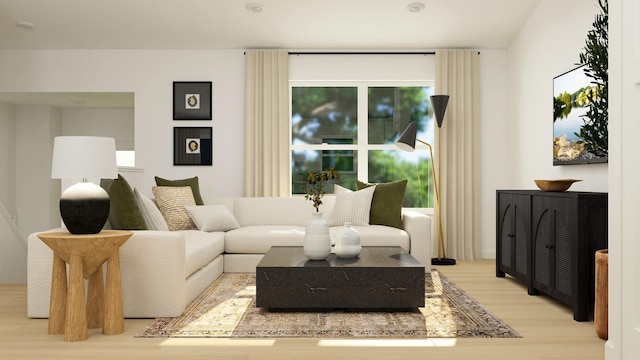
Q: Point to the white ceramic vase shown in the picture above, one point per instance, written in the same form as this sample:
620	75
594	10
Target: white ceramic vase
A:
348	244
317	242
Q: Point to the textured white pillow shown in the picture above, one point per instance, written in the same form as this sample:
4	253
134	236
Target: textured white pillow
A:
212	217
351	206
171	202
150	212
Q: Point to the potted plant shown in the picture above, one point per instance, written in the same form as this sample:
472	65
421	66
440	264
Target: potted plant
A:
595	57
315	179
317	241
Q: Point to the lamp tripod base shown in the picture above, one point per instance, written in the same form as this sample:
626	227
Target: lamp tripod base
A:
443	261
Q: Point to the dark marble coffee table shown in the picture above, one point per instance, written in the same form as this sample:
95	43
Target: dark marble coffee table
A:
380	278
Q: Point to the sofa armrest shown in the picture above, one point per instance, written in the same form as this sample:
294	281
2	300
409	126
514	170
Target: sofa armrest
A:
152	267
418	226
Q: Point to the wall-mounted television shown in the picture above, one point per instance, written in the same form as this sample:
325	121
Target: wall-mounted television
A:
571	95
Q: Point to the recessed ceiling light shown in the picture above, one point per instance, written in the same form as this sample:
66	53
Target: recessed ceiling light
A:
415	7
25	25
254	7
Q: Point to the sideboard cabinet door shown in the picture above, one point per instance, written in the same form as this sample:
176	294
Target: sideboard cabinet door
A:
513	239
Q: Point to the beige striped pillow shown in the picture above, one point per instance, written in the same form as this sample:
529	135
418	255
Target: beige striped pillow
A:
351	206
171	202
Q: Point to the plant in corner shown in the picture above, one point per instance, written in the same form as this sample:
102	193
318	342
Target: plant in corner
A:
595	56
315	179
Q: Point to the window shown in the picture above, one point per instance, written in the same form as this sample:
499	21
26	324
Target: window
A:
126	158
354	126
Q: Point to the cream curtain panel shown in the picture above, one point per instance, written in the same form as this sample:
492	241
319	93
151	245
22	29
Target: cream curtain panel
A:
457	75
266	156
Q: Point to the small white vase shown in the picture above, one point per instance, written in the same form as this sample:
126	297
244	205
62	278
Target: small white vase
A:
317	242
348	244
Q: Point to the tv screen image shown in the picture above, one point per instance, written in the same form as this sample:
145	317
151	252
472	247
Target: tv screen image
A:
571	93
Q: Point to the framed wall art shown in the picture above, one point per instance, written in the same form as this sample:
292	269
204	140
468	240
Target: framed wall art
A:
192	100
192	146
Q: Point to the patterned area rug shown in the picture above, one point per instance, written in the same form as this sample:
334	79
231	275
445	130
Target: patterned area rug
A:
227	309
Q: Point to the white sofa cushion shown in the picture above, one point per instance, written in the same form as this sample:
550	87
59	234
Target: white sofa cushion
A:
200	248
212	217
150	212
258	239
351	206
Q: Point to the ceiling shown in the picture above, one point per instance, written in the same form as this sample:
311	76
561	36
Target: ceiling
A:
288	24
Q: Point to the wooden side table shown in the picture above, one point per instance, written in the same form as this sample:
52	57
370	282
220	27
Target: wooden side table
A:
69	313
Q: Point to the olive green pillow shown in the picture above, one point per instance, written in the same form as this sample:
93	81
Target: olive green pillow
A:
386	206
192	182
124	213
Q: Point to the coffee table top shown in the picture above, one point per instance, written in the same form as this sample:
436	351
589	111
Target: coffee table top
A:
370	256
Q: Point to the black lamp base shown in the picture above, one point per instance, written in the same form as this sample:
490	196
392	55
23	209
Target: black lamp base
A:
443	261
84	208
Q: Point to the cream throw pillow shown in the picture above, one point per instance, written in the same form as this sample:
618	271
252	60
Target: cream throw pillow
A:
171	202
212	217
150	212
351	206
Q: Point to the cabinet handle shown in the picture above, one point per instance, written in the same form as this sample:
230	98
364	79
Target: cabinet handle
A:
547	246
511	235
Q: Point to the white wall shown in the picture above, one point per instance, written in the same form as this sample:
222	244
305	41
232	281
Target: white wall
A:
547	46
115	123
8	158
149	74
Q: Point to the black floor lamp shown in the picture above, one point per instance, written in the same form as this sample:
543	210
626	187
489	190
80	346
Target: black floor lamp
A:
407	142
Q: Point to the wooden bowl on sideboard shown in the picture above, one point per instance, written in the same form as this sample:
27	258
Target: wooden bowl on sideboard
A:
555	185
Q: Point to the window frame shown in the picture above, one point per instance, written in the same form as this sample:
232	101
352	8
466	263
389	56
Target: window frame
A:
362	147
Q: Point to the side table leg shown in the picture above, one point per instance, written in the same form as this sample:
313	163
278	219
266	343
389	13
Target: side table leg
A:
113	311
95	300
76	322
58	300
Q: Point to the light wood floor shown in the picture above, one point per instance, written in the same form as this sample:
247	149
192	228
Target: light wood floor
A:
547	328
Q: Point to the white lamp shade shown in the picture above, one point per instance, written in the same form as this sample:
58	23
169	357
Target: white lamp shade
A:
82	157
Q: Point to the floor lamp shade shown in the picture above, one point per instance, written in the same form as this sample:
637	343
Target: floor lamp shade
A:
84	207
439	103
407	140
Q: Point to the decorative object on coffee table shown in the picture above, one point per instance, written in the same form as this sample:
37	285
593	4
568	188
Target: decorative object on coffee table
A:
555	185
407	142
348	244
317	241
84	207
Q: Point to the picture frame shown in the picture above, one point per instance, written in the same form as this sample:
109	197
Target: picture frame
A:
192	100
192	146
571	91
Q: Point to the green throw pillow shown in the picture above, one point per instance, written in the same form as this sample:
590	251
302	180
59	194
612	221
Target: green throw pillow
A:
124	213
386	206
192	182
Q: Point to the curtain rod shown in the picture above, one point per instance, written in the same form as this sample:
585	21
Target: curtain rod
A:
363	53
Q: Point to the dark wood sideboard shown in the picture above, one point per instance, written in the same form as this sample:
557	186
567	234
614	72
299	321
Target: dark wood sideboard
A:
548	241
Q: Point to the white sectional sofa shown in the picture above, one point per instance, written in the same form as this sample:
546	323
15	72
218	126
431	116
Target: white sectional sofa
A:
163	271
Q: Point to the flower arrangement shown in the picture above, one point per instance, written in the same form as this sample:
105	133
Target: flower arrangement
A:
315	179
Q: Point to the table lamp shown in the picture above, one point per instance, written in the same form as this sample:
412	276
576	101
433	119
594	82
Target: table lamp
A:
84	207
407	142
